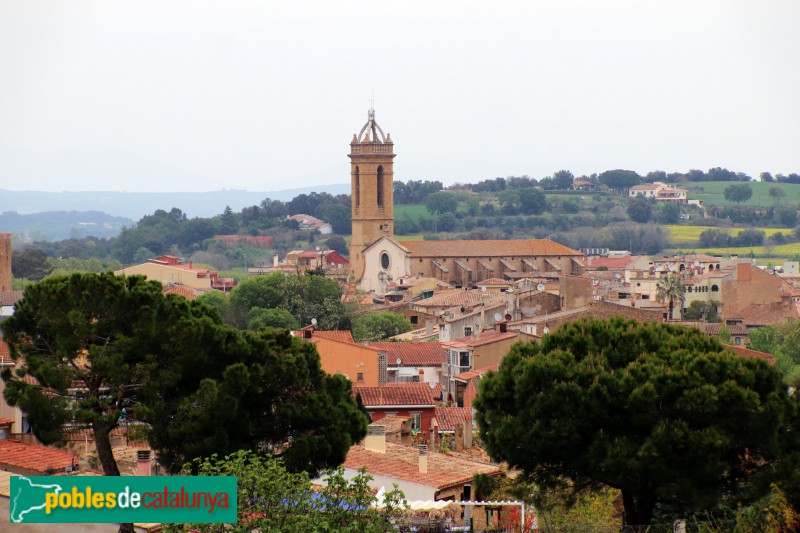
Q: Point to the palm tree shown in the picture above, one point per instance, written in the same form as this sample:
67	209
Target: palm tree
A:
670	289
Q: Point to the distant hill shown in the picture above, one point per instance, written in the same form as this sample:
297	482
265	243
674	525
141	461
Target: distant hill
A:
134	205
59	225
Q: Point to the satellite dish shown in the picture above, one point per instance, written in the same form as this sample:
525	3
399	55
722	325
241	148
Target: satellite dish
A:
540	287
498	317
313	321
483	288
399	361
508	316
617	276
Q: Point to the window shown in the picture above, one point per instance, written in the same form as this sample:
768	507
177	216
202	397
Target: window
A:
385	261
467	331
416	421
358	189
414	320
380	186
463	359
360	376
737	341
714	288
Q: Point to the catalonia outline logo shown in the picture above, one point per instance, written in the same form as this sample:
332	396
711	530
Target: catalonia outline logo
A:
158	499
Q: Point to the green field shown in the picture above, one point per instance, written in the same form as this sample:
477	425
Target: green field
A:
713	193
783	250
692	233
414	211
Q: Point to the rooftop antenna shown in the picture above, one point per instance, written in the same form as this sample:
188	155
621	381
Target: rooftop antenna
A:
372	100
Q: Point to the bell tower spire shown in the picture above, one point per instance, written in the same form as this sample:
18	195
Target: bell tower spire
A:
372	190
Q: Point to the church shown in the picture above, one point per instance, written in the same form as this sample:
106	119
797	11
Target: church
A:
377	258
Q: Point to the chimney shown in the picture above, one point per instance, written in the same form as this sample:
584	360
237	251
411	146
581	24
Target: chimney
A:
190	264
428	325
143	466
421	376
308	332
376	438
274	260
502	327
423	458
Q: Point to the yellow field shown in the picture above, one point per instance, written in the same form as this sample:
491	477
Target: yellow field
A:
758	251
692	233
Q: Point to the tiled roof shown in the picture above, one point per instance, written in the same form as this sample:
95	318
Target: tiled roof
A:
43	459
610	262
334	335
412	353
752	354
455	298
449	417
10	297
647	187
6	421
489	248
476	373
485	337
417	394
768	314
494	281
181	290
402	462
597	309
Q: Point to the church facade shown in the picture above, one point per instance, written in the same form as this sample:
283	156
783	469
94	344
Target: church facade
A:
377	258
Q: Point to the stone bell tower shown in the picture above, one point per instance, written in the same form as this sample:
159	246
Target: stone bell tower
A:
372	190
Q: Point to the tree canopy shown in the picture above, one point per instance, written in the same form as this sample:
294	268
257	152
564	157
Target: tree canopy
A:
379	326
196	385
271	498
640	210
664	414
305	297
738	192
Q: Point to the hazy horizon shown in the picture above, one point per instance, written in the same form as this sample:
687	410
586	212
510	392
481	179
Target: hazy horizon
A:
182	96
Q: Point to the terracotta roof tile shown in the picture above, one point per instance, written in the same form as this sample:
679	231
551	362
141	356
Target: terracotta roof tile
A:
4	352
412	353
396	394
449	417
610	262
402	462
751	354
182	290
456	297
334	335
765	315
485	337
494	281
476	373
43	459
488	248
6	421
10	297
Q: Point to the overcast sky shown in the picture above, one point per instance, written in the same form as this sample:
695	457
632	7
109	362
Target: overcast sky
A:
201	96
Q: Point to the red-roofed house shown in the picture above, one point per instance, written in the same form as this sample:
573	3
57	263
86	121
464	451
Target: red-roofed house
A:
433	476
476	351
414	400
169	270
309	222
338	354
33	459
413	361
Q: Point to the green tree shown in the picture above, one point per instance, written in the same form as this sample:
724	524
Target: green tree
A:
619	179
738	192
379	326
640	210
669	213
338	216
562	180
337	244
698	310
30	263
271	498
663	413
272	318
305	297
783	342
777	193
441	202
670	289
531	201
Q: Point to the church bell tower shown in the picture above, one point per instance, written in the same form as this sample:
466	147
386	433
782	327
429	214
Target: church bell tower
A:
372	191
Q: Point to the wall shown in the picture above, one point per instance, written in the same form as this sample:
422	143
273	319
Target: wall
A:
751	286
426	415
167	274
348	360
5	262
575	291
423	266
490	354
